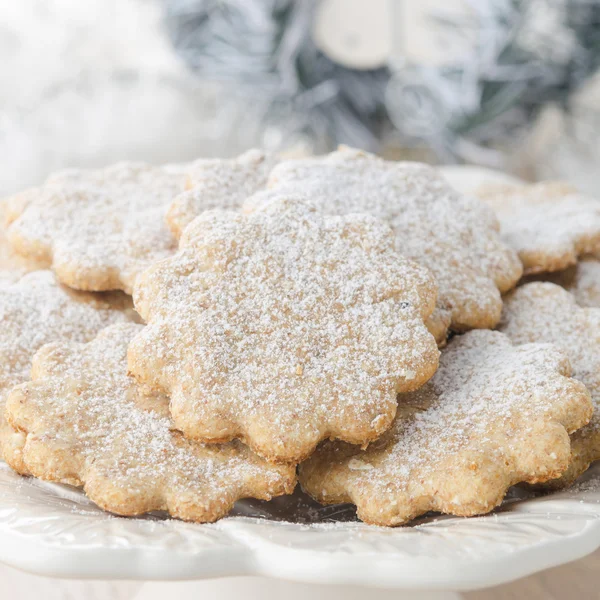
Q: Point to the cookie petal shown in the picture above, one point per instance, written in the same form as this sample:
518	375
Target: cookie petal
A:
549	224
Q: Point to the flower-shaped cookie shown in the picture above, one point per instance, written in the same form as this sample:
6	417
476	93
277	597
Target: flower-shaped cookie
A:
98	229
284	327
454	236
582	280
549	224
86	423
493	415
219	183
37	310
544	312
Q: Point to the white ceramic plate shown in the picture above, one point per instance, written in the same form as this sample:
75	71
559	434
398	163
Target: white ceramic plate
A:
54	530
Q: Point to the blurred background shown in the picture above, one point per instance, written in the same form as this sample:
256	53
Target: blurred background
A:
511	84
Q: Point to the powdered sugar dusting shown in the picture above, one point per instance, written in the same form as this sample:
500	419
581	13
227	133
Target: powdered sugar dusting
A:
544	312
119	442
549	224
99	228
453	235
219	183
284	327
37	310
34	311
485	421
582	280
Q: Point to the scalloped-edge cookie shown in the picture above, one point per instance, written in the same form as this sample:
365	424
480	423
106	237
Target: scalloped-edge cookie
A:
582	280
455	236
549	224
87	423
219	184
544	312
492	416
284	327
97	229
37	310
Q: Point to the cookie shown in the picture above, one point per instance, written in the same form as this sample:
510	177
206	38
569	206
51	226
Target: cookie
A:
221	184
98	229
493	415
582	280
86	423
549	224
284	327
438	325
544	312
454	236
12	265
37	310
12	206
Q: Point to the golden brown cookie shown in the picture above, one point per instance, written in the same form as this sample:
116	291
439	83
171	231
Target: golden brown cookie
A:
86	423
284	327
582	280
493	415
37	310
219	183
98	229
549	224
438	325
544	312
454	236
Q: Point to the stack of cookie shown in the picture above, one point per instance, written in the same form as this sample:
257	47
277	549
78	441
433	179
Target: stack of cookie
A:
286	324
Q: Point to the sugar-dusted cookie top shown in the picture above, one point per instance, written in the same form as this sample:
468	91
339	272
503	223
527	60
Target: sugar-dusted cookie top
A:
37	310
544	312
549	224
454	236
98	229
581	279
219	183
493	415
284	327
87	423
